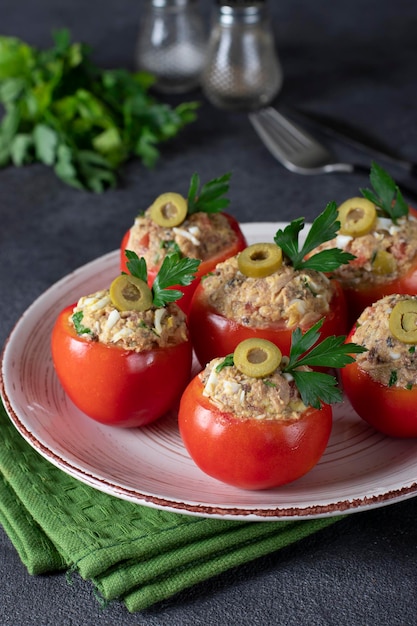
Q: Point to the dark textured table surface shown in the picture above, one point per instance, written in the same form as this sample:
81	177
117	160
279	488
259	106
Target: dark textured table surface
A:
356	61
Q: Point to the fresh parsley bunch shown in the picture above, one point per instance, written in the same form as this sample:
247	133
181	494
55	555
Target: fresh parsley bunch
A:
85	122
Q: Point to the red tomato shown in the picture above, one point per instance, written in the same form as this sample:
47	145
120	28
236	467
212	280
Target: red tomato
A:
116	386
358	299
204	268
214	335
251	453
390	410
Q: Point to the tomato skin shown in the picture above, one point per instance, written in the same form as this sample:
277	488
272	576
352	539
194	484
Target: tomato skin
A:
362	297
250	453
215	335
115	386
204	268
390	410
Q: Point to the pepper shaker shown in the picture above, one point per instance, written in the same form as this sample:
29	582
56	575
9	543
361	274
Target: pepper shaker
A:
171	44
242	71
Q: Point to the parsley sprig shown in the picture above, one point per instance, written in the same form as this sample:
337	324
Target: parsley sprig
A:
324	228
386	195
83	121
210	198
316	387
175	270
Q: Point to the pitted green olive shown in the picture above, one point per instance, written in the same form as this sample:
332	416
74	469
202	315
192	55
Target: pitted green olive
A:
260	260
257	357
129	293
357	217
403	321
169	209
384	263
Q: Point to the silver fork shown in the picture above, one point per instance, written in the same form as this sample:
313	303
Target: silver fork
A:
299	151
294	147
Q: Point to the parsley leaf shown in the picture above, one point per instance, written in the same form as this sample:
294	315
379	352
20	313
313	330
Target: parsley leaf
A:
136	266
80	329
386	194
324	228
210	198
317	387
393	378
228	361
46	141
171	247
83	121
175	270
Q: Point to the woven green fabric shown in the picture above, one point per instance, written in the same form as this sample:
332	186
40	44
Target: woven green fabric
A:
130	552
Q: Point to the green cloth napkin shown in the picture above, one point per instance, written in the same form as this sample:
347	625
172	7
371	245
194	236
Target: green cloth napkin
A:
131	553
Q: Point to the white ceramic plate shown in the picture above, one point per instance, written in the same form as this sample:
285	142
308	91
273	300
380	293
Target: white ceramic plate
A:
360	469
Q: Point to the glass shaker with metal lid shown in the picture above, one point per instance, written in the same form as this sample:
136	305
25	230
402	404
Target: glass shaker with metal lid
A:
171	44
242	70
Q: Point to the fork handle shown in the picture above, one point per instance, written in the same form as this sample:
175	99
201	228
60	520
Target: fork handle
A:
353	136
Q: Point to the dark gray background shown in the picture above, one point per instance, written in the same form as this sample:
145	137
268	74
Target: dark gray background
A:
356	60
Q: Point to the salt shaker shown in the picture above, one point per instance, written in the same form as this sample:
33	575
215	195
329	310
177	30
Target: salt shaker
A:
171	44
242	71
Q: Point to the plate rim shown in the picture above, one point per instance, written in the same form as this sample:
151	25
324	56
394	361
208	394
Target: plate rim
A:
251	512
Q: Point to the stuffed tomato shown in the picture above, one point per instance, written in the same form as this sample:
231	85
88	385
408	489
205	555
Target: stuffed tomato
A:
246	452
380	231
358	298
268	290
114	385
382	383
215	332
195	227
257	420
123	354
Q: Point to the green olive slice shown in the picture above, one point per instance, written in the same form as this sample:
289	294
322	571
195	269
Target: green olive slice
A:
384	263
260	260
257	357
357	217
169	209
403	321
129	293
